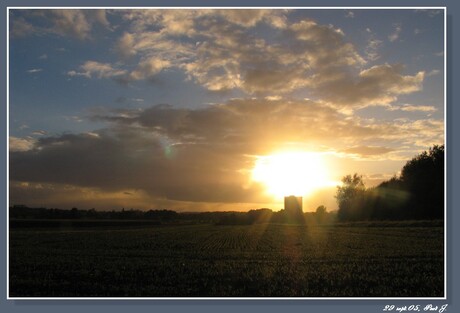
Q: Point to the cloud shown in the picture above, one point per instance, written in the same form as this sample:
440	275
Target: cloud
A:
134	160
64	196
125	45
433	73
349	14
204	155
99	70
165	154
250	18
62	22
373	45
378	85
422	108
20	27
305	51
245	125
122	99
98	16
413	108
219	51
148	68
260	126
324	45
184	22
145	69
366	151
39	133
396	32
34	70
70	22
21	144
430	12
174	22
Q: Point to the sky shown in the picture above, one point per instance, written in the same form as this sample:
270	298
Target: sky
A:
211	110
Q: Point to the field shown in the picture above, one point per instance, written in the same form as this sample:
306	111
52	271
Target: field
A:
264	260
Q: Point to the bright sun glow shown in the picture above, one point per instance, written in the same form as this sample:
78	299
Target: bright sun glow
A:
291	173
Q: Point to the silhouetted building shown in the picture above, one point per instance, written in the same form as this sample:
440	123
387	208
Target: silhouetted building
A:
293	204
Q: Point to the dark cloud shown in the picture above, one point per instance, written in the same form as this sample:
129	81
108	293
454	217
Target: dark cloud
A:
250	126
130	159
202	155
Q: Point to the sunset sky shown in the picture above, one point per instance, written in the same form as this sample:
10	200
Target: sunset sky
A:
197	110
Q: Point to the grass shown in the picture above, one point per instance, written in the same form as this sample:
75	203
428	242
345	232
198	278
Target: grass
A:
265	260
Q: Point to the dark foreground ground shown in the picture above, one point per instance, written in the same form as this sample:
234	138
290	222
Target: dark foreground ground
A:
265	260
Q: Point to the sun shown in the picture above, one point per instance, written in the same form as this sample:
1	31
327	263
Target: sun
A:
291	173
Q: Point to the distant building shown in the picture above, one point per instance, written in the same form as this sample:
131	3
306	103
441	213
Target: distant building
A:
293	204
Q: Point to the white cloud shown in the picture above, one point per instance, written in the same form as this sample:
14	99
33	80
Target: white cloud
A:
250	18
148	68
422	108
70	22
96	69
372	48
39	133
34	70
125	45
217	50
396	32
349	14
222	55
417	108
98	16
21	144
433	73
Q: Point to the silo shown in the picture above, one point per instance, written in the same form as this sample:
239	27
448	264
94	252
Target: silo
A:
293	204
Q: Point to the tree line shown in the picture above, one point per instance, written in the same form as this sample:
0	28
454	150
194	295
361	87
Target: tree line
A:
256	216
417	193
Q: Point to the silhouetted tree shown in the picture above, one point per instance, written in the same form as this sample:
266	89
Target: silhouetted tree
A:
349	196
321	214
389	200
417	194
321	210
259	215
423	178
